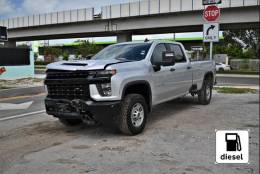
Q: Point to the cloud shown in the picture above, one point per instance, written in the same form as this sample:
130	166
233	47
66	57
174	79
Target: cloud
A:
39	6
13	8
6	7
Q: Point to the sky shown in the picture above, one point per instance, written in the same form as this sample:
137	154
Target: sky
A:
13	8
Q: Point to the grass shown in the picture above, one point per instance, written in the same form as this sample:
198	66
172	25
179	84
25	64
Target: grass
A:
246	72
230	90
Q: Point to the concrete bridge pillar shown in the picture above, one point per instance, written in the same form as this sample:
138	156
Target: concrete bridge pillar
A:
124	38
10	44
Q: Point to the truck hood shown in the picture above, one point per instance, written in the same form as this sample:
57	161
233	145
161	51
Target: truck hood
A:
82	65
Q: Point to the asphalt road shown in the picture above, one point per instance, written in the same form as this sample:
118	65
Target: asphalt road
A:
179	138
237	81
37	105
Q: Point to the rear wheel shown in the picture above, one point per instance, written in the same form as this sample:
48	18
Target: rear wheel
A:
205	94
133	114
70	122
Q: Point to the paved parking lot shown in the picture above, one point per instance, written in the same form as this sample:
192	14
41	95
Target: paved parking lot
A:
179	138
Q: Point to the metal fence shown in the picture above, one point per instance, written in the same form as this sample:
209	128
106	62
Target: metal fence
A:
78	15
250	64
149	7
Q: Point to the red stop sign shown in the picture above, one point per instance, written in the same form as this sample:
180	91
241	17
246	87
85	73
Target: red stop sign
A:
211	13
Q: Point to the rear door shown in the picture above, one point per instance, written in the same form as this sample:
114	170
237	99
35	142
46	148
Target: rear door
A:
181	73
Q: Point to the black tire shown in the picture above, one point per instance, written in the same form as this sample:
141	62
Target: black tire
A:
221	70
71	122
203	96
124	121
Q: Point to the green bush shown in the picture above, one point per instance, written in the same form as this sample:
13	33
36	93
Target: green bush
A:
65	55
234	51
248	54
41	63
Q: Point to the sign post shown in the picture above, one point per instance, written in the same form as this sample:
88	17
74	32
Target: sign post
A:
3	34
211	34
211	30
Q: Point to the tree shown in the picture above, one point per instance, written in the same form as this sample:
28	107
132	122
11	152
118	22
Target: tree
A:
86	49
52	53
65	55
23	46
244	39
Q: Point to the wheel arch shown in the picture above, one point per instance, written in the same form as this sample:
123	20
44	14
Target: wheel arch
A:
141	87
209	75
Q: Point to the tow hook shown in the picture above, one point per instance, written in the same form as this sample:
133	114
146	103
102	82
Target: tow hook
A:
77	105
87	117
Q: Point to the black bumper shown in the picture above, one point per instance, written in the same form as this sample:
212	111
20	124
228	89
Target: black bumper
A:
76	109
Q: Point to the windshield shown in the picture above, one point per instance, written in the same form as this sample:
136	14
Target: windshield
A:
127	52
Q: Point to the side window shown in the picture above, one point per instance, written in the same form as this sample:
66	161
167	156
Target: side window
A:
179	56
157	53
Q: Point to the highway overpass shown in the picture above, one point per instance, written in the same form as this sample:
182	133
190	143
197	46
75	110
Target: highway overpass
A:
125	20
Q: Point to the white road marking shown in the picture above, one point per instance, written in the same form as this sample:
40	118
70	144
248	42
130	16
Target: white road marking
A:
11	106
22	115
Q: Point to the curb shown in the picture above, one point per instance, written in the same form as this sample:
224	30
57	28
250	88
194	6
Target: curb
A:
241	87
237	75
6	93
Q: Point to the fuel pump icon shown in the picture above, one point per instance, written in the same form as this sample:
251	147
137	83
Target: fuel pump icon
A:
233	142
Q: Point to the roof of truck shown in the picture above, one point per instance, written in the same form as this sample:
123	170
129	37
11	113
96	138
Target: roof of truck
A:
150	41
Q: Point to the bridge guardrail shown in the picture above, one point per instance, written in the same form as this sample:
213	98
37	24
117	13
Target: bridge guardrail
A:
68	16
149	7
139	8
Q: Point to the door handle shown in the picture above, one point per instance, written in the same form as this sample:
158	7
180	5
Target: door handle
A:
189	67
172	69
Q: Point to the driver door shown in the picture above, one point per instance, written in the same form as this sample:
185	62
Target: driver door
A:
162	81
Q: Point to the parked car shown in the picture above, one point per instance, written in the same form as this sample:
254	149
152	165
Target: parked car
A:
72	57
222	67
122	83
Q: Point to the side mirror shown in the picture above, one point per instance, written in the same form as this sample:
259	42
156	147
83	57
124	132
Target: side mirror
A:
168	59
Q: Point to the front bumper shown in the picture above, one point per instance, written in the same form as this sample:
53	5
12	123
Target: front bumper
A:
78	109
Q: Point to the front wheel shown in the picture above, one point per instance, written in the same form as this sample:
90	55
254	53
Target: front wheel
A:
132	117
205	94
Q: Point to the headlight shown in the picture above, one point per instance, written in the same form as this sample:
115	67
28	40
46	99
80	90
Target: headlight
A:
104	89
102	73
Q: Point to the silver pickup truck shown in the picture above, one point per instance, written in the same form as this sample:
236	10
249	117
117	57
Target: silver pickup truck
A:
122	83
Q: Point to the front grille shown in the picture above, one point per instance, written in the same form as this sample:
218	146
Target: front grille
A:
62	74
68	91
67	84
